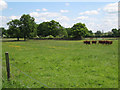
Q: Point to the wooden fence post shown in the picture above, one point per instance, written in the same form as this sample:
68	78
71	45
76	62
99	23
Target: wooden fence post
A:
7	66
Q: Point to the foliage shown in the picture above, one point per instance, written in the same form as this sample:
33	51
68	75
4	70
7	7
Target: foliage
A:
50	36
14	28
49	28
98	33
3	31
42	29
90	33
109	34
69	32
28	26
63	33
115	32
79	30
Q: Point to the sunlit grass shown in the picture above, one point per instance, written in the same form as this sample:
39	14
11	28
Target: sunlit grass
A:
62	64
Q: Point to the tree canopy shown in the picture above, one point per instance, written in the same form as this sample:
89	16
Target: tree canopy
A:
3	31
14	28
28	26
98	33
79	30
115	32
25	27
49	28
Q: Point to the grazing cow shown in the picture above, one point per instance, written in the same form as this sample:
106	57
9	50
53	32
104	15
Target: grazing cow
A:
105	42
94	42
86	42
109	42
101	42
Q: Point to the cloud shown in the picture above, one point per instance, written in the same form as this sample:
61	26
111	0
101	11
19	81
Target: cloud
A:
10	8
81	18
64	21
48	16
44	9
111	21
37	9
3	5
62	18
41	19
67	4
92	12
14	17
3	21
64	11
111	8
34	14
106	23
98	9
45	14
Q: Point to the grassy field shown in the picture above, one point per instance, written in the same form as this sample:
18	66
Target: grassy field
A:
61	63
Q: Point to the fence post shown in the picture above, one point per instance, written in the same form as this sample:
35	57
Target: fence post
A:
7	66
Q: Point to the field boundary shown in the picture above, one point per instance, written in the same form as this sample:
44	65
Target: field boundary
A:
27	76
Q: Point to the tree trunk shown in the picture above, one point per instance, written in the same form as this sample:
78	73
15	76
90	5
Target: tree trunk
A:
24	38
17	38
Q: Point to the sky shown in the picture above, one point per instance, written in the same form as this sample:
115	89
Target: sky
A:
101	16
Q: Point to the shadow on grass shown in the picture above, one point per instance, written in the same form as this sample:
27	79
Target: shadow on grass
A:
67	39
12	41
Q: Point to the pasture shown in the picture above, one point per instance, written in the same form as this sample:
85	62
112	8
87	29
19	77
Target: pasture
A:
60	64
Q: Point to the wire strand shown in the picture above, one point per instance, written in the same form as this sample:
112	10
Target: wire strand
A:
30	76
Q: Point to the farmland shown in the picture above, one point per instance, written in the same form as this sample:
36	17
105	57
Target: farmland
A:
60	64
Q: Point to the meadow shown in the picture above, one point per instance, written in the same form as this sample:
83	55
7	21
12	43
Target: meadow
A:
60	64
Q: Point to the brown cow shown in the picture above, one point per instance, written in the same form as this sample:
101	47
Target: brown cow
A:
94	42
86	42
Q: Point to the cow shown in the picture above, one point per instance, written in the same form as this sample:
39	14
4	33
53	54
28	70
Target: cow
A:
105	42
86	42
94	42
101	42
109	42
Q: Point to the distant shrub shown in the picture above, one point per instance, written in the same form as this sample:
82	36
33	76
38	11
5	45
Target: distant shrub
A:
57	37
50	37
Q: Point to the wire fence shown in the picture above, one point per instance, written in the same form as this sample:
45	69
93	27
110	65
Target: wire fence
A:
21	82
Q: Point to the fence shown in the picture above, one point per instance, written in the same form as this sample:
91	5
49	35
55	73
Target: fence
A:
11	69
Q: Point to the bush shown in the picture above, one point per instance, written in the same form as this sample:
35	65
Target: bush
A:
50	37
58	36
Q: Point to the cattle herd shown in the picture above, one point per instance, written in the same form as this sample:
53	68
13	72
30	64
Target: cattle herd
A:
99	42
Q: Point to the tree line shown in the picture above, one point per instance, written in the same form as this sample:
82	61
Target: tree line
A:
26	28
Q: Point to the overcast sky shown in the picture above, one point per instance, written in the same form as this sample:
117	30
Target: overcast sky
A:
96	15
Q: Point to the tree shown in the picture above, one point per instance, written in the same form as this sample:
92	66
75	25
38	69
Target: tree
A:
115	32
79	30
118	32
55	28
49	28
28	26
98	33
3	31
14	28
43	29
34	32
90	34
69	31
63	33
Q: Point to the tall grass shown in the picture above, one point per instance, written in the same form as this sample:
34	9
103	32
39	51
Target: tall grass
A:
61	64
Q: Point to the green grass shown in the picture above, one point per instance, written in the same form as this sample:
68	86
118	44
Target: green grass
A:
61	64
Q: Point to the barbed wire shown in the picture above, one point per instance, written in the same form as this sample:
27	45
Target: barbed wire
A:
28	75
12	77
19	80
